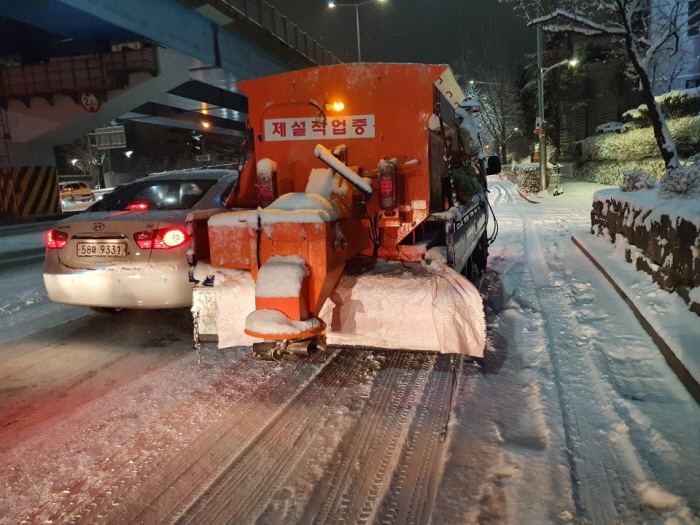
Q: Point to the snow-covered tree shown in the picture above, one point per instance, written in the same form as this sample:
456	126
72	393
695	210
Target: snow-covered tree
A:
501	113
487	74
647	32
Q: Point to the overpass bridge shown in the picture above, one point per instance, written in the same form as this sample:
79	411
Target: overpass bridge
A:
68	67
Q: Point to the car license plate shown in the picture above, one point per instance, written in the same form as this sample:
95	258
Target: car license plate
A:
101	249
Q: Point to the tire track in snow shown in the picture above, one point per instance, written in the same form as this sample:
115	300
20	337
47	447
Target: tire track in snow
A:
596	469
241	491
392	396
162	464
387	447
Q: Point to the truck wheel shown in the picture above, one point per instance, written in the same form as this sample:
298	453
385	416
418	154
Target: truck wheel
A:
481	253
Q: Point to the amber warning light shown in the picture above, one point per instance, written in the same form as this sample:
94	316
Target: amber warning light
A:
338	105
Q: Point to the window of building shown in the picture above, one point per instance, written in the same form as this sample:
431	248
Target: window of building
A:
692	83
694	18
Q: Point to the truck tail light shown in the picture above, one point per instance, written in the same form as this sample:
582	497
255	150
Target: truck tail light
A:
267	182
388	184
161	239
56	239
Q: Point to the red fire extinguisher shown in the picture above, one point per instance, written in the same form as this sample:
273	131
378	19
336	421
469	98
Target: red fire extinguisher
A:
388	186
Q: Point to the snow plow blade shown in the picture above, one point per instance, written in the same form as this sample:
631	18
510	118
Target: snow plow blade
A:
380	305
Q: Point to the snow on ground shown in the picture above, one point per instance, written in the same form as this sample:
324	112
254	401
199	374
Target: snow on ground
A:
667	313
587	418
576	417
24	306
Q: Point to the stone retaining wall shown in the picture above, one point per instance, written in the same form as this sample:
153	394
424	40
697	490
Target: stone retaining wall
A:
666	249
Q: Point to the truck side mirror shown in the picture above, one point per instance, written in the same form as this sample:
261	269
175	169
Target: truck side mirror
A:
493	165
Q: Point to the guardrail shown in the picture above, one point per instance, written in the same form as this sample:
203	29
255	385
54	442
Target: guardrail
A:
268	18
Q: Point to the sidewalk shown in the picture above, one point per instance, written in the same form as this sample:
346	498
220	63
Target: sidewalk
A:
665	316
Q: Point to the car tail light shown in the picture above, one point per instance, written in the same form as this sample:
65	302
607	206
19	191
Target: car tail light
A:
56	239
161	239
388	174
138	206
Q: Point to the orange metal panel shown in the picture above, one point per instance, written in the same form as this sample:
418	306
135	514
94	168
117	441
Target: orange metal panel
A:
399	96
229	247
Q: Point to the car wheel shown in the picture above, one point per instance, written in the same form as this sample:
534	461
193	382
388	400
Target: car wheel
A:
105	310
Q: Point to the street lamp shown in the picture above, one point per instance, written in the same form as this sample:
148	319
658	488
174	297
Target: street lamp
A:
540	103
332	5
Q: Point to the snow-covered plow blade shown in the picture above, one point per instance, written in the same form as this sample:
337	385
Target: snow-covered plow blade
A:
356	222
377	304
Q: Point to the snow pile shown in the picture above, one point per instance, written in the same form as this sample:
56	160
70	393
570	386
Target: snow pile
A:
274	322
233	219
657	498
321	182
234	298
265	168
353	178
281	276
609	127
683	181
297	208
634	180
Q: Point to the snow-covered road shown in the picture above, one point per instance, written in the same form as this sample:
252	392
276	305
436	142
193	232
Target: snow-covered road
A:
576	417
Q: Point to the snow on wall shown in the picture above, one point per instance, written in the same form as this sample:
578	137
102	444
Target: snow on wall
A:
652	207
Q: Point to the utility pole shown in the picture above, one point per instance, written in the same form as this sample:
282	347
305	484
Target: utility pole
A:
540	108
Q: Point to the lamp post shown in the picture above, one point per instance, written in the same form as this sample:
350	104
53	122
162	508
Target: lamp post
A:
540	104
333	5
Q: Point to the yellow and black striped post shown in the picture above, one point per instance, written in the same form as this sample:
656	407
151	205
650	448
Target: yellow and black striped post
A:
29	191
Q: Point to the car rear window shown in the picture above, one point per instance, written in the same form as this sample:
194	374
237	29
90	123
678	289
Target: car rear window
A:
155	195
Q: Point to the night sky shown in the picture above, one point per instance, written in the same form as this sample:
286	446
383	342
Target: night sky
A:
424	31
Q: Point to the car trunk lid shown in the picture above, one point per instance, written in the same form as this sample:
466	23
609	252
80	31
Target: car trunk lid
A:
105	239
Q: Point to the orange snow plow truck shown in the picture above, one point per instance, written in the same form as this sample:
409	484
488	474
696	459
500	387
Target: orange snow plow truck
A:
358	220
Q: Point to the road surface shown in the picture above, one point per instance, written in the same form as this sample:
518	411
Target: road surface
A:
576	417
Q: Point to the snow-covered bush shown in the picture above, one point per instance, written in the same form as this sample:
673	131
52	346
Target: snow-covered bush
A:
633	180
640	143
682	181
675	104
632	115
680	102
608	127
610	172
629	126
693	159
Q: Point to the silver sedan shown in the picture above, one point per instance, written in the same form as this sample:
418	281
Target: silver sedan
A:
129	250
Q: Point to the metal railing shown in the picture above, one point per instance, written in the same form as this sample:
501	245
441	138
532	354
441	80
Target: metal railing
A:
268	18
